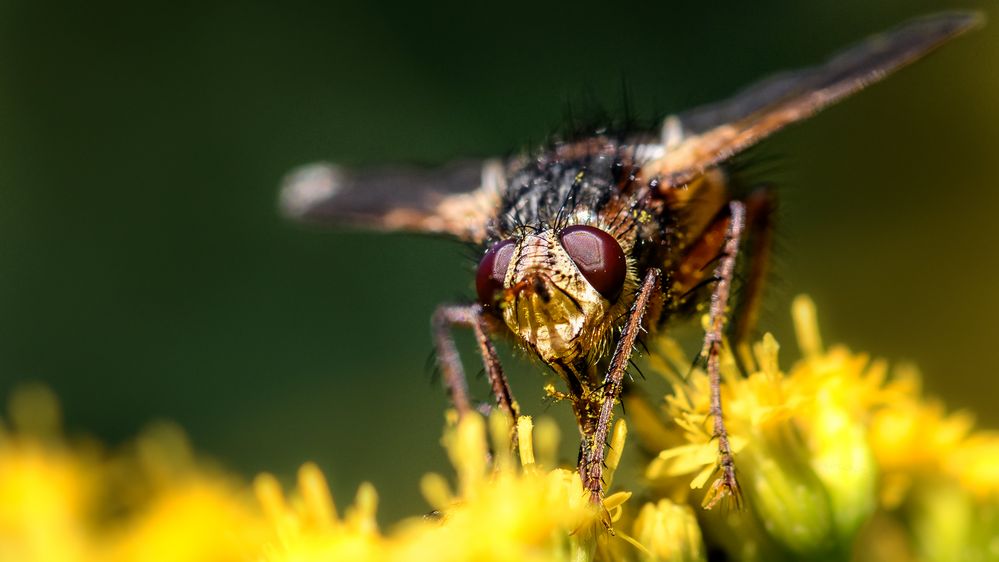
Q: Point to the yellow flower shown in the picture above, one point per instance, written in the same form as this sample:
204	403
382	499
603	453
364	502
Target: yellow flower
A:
181	510
819	449
799	441
837	458
46	492
156	501
309	528
669	531
506	509
975	464
62	502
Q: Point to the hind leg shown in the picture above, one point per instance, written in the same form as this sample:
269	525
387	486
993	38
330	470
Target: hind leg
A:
726	485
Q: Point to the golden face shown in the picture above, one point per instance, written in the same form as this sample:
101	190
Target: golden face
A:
556	290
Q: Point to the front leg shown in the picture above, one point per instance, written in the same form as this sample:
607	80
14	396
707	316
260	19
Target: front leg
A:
469	316
591	462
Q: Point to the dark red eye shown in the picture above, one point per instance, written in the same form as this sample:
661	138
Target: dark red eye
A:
492	271
598	256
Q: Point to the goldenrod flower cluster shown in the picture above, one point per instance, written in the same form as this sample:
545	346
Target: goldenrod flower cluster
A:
506	508
66	501
835	456
839	458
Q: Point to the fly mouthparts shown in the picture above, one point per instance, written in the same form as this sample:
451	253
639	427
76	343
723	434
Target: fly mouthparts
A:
541	289
536	283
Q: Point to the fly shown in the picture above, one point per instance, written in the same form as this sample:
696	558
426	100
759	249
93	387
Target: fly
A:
589	244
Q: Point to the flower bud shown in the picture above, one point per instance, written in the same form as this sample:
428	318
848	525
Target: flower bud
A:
669	532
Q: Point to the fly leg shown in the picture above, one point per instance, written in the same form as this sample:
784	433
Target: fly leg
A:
469	316
726	484
591	461
761	205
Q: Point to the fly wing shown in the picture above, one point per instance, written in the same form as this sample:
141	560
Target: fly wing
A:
702	137
456	200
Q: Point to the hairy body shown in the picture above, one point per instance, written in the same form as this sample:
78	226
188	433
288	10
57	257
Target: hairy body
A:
588	244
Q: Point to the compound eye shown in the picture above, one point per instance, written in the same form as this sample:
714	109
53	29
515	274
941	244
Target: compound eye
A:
492	271
599	258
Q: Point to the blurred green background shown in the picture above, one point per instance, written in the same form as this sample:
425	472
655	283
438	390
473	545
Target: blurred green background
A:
145	274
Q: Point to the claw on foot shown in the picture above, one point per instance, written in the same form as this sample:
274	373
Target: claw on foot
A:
724	486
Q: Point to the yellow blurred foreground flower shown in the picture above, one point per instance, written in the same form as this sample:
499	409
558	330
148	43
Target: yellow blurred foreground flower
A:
502	508
154	501
67	502
839	458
